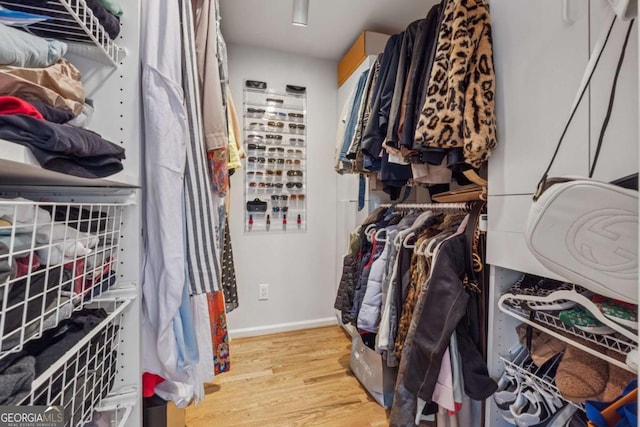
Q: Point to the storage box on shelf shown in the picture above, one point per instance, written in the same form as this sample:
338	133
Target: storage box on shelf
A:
74	22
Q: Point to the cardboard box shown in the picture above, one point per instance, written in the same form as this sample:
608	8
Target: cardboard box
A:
368	43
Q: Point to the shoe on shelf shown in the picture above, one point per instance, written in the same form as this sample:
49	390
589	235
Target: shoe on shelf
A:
509	386
581	375
620	312
534	407
563	416
543	346
581	318
579	419
618	378
530	285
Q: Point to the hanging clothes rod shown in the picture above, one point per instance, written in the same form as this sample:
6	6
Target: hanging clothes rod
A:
424	206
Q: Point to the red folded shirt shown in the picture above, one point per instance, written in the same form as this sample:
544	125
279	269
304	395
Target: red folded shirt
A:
13	105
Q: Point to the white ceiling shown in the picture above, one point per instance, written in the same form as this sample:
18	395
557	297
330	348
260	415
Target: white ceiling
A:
333	24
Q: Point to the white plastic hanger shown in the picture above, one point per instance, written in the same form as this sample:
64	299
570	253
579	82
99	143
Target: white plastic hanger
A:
378	235
369	231
430	250
405	242
420	249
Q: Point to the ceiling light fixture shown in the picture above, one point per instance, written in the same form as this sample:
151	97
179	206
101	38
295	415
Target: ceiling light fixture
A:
300	13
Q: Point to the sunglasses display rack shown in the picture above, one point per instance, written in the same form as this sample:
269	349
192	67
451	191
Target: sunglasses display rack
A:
275	173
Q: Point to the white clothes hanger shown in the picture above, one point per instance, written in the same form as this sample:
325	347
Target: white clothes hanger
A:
369	231
405	242
430	249
378	235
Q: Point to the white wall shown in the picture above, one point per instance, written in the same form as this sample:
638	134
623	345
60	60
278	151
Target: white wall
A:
299	267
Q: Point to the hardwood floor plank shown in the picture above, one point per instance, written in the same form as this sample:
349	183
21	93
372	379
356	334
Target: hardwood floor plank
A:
298	378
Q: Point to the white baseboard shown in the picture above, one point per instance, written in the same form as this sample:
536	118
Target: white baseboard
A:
281	327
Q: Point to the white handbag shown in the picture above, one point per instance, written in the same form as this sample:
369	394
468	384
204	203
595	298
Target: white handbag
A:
584	230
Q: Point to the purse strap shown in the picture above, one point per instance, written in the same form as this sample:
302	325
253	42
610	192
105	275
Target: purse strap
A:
612	98
586	79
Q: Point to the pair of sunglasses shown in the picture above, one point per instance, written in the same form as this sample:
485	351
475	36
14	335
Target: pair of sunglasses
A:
256	147
280	209
276	149
274	172
296	140
255	84
296	152
255	173
275	124
257	160
296	126
266	184
294	184
256	125
296	197
278	161
294	173
292	161
276	197
255	110
274	137
296	115
275	100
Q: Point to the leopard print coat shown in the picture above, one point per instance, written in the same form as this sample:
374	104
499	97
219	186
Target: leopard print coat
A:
459	109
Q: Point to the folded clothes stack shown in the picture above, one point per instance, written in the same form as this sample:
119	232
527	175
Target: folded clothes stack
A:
109	20
43	282
18	370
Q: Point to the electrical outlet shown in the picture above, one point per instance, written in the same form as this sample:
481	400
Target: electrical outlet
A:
263	292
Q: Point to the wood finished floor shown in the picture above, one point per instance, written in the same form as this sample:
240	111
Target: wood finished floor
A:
299	378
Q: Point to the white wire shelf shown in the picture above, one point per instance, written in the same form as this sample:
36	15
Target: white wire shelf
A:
116	408
539	378
550	323
86	374
57	258
72	21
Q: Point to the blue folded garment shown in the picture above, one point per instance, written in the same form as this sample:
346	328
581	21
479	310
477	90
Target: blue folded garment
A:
21	49
20	19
